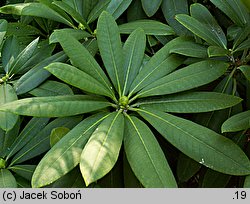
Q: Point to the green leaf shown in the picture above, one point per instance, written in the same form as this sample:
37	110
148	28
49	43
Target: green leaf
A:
40	143
187	47
201	30
102	150
117	7
247	182
19	62
7	94
3	29
25	171
82	59
214	179
37	74
33	127
150	27
190	77
158	66
35	9
77	78
7	180
241	36
200	143
150	7
133	49
97	10
170	9
57	134
110	46
234	9
52	88
202	14
244	45
55	106
65	154
240	121
214	51
245	69
135	11
87	7
190	102
144	152
77	34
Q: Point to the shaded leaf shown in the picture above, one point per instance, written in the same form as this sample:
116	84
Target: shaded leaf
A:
25	171
3	29
97	10
245	70
7	180
151	7
57	134
200	143
117	7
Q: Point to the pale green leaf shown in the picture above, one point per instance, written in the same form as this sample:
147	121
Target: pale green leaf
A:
240	121
145	155
110	46
150	7
200	143
102	150
133	49
150	27
55	106
65	155
192	76
191	102
7	180
7	94
77	78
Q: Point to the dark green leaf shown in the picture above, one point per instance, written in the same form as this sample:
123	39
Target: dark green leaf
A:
117	7
144	152
55	106
65	155
201	144
151	7
246	71
150	27
3	29
214	179
97	10
214	51
26	171
247	182
7	180
191	102
192	76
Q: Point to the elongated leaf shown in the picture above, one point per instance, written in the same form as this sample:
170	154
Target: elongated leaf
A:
244	45
234	9
150	27
57	134
102	150
201	144
87	7
214	179
72	12
25	171
31	129
246	71
247	182
97	10
202	14
7	94
214	51
241	36
77	34
133	49
7	180
22	58
77	78
237	122
158	66
3	29
81	58
193	102
40	143
192	76
35	9
200	29
151	7
65	155
55	106
109	43
187	47
144	152
135	11
117	7
52	88
21	29
170	9
37	74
